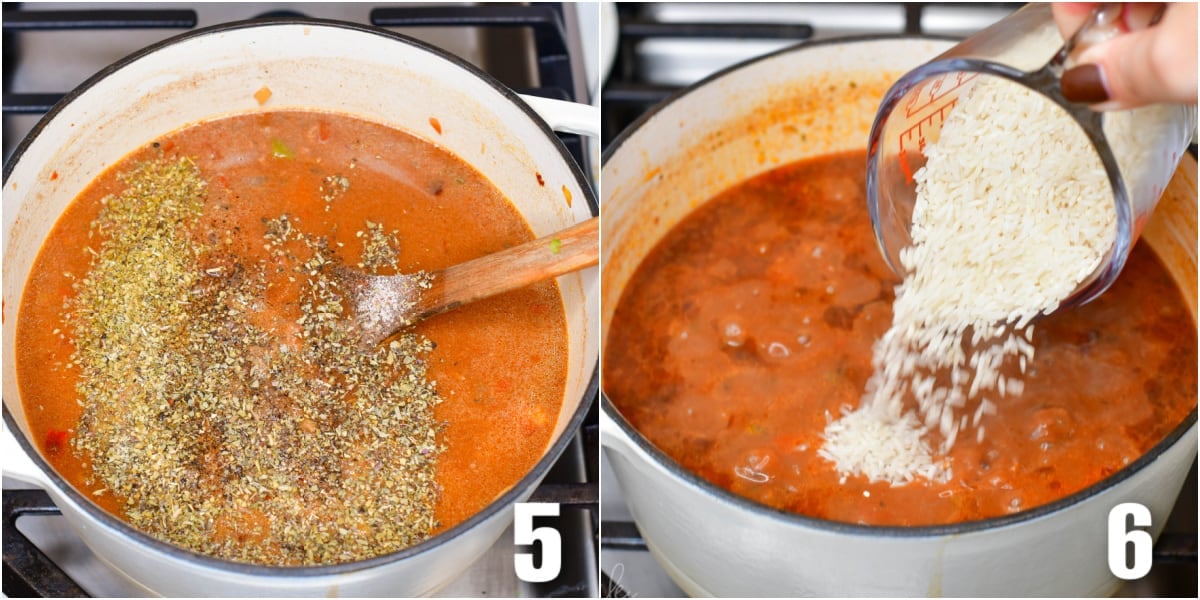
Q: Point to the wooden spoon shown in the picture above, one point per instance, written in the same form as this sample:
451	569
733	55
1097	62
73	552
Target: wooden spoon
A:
381	305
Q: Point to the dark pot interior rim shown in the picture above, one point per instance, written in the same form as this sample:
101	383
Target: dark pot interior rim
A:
722	495
520	488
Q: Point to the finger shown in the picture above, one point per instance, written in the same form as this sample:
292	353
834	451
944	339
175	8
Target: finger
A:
1140	15
1156	64
1070	15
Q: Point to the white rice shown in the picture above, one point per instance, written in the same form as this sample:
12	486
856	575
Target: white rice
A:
1013	212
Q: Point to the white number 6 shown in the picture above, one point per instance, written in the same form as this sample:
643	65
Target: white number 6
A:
1120	537
524	534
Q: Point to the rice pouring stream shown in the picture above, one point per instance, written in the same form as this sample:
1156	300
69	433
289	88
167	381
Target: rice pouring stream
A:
1013	211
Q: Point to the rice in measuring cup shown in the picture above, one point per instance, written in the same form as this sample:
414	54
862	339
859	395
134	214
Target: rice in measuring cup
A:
1013	211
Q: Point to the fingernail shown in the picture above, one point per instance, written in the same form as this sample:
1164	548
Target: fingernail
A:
1084	84
1158	15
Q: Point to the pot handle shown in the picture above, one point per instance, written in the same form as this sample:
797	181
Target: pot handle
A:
18	464
613	437
566	117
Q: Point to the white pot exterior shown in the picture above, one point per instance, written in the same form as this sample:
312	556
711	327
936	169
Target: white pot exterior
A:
324	66
714	545
751	119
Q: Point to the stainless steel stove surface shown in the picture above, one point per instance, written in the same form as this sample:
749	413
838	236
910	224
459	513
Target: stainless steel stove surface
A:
49	48
663	47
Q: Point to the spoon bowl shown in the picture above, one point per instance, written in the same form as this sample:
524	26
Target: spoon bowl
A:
381	305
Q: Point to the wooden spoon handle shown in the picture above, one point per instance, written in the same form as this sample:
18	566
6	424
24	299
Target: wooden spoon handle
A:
569	250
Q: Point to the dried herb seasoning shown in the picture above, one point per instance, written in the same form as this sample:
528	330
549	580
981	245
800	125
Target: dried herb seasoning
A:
380	248
281	444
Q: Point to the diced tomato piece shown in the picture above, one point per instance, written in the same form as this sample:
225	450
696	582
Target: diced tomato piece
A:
56	440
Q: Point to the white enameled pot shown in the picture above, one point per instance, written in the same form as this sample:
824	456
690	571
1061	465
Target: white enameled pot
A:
808	101
362	71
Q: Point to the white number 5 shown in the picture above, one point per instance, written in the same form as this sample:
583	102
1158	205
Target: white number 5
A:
1120	536
524	534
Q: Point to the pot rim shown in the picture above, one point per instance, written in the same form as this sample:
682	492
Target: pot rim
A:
495	507
840	527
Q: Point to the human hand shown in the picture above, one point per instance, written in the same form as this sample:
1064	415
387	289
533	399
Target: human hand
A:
1152	61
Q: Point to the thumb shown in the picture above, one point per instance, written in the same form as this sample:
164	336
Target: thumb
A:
1147	66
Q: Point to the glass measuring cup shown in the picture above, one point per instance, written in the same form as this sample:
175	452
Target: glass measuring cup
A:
1139	149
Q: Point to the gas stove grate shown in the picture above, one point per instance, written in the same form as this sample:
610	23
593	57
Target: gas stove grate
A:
555	75
550	43
18	20
546	22
629	91
28	572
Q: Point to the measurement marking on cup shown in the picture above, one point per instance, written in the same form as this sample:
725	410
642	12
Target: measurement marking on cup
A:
915	135
935	92
926	96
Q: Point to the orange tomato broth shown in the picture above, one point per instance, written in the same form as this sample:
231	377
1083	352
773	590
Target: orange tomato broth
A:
499	364
751	324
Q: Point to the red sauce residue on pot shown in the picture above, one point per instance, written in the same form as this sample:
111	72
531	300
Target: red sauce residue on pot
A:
754	318
436	124
500	363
